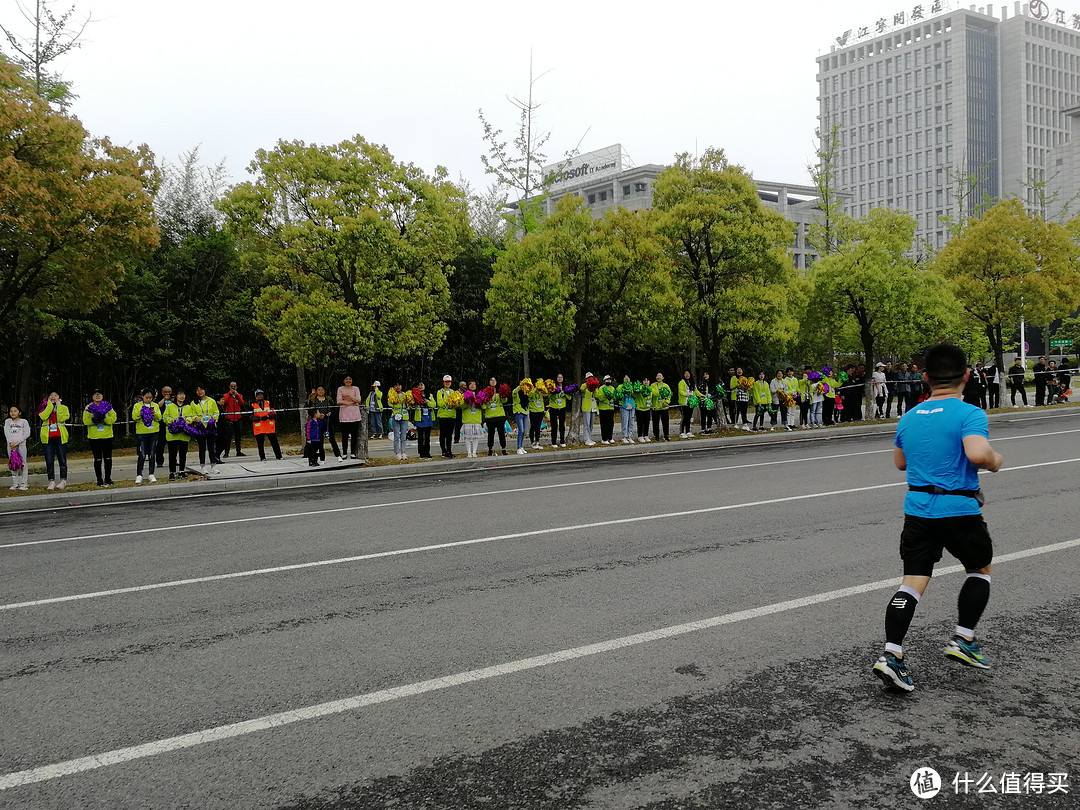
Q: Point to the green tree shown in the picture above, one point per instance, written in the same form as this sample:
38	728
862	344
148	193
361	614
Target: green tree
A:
75	211
871	288
731	265
1010	266
578	280
357	247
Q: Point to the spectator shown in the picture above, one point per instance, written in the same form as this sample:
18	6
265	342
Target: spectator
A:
204	414
557	413
903	385
993	385
1016	375
686	390
399	421
890	389
659	401
706	390
349	402
881	387
423	420
164	402
231	404
643	408
54	415
778	396
375	404
176	436
313	438
327	406
264	422
494	414
761	396
99	418
605	410
980	374
445	413
1041	374
147	418
17	434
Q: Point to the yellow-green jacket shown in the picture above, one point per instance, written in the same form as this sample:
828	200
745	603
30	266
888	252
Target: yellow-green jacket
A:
63	413
102	430
136	416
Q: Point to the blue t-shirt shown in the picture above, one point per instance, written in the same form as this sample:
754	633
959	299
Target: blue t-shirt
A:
932	438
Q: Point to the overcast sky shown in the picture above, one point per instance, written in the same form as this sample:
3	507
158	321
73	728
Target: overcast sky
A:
233	76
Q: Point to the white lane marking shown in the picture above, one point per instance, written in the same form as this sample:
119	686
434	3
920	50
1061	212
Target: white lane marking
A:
437	498
1037	418
486	493
474	541
433	547
280	719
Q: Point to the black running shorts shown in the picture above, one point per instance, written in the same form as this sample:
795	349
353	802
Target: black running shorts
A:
964	536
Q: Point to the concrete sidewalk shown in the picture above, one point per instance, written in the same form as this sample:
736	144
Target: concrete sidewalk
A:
249	473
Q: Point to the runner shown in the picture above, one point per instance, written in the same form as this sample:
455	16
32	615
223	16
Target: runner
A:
941	443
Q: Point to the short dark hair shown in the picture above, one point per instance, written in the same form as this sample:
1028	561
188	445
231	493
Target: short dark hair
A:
945	364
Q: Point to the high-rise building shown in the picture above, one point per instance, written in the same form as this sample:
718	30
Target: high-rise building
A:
935	110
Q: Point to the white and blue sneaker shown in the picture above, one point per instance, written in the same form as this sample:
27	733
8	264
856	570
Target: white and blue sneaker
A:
966	652
893	673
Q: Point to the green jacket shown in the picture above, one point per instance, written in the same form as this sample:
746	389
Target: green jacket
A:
643	399
684	392
103	430
587	398
201	411
733	386
441	401
605	400
536	402
63	413
136	416
658	402
471	416
515	396
171	414
557	400
761	394
493	408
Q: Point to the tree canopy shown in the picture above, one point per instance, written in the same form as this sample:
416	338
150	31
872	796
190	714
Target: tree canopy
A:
731	265
357	248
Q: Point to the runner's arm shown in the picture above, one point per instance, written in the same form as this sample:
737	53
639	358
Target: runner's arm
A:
981	454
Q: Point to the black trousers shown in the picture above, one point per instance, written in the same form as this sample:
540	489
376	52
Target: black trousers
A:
331	430
993	396
660	417
447	425
178	456
208	446
423	442
259	437
707	417
536	423
607	424
496	424
558	425
102	450
162	438
457	428
804	412
350	431
733	409
1040	393
642	419
742	408
1018	389
228	431
687	416
828	411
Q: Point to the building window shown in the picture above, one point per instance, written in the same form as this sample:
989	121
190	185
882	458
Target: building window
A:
592	199
603	196
640	188
626	191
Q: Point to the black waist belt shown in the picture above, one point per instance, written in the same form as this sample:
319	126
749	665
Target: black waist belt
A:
976	494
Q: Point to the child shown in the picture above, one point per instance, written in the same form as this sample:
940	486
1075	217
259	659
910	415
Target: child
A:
16	433
313	433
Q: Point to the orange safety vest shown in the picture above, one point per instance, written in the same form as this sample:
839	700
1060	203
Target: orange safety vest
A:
263	425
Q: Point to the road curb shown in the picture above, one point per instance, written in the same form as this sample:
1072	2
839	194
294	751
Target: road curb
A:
322	477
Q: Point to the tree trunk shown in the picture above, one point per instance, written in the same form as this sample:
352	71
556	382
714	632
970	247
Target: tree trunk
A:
576	378
301	396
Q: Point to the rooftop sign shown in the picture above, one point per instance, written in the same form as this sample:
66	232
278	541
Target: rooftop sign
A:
589	166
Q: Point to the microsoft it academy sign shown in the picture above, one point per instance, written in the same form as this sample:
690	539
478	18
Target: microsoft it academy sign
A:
592	166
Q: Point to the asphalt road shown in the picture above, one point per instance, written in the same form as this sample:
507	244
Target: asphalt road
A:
692	628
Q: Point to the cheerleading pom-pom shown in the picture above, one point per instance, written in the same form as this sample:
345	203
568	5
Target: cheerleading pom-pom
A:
505	392
592	383
692	401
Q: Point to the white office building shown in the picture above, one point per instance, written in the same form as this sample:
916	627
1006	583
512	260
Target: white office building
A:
936	109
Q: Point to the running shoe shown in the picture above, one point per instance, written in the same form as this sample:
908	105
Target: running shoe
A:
966	652
893	673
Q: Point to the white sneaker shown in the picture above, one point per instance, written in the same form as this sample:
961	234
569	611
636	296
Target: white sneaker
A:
538	446
153	479
562	445
138	480
62	484
340	459
213	470
51	486
23	488
521	451
590	443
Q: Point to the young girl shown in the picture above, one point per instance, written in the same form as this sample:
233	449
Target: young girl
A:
423	420
643	408
16	434
147	418
99	418
627	406
494	415
521	412
54	415
176	436
472	422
